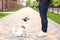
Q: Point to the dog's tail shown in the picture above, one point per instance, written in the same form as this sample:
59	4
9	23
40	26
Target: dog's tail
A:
13	31
19	32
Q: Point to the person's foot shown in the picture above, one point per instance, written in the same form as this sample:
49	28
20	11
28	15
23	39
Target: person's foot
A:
40	34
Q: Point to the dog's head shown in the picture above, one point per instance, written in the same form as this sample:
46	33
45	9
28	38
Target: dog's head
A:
26	18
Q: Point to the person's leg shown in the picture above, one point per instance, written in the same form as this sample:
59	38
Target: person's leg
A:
43	8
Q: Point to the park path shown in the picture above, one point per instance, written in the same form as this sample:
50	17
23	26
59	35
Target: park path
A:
13	21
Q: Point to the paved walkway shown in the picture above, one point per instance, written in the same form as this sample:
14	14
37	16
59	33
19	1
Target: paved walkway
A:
13	21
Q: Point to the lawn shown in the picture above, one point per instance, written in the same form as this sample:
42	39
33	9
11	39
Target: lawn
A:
12	10
53	16
3	15
36	9
0	10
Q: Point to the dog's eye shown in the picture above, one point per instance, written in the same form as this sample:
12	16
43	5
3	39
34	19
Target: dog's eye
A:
25	20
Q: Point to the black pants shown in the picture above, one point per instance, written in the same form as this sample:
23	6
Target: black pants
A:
43	8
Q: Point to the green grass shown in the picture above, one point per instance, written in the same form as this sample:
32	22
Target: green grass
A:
3	15
55	17
36	9
12	10
0	10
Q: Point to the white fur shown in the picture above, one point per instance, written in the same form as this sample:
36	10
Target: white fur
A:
21	31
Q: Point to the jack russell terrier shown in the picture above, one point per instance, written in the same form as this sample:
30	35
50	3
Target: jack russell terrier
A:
23	29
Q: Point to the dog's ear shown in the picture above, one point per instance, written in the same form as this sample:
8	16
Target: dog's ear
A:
28	18
25	19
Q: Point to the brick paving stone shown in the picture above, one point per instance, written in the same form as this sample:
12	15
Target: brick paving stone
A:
13	21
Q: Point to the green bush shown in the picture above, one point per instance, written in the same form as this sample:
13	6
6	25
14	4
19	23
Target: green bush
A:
28	3
55	2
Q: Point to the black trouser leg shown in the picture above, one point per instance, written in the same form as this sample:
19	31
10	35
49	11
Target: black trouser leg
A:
43	8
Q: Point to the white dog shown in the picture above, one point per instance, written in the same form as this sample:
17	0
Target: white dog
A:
23	29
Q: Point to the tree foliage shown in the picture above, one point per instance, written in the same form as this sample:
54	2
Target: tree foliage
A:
28	2
34	3
55	2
